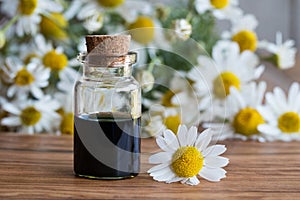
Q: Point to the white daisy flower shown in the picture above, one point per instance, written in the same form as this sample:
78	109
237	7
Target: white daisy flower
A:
282	114
221	9
243	32
30	12
32	116
177	106
227	68
243	114
187	155
183	28
129	9
54	58
25	79
283	53
159	118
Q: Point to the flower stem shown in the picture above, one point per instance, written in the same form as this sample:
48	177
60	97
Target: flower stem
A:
10	23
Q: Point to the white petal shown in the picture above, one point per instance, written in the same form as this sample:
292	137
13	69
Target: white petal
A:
11	121
11	108
162	144
280	95
268	130
240	100
11	90
175	179
36	92
161	157
258	71
160	172
191	136
171	139
262	86
271	101
214	150
182	135
293	93
214	175
216	162
169	175
158	167
203	140
193	181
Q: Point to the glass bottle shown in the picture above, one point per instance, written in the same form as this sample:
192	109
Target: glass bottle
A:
107	118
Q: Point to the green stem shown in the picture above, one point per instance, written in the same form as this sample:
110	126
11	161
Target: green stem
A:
11	22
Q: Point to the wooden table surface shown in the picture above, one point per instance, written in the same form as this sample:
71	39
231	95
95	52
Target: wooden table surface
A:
40	167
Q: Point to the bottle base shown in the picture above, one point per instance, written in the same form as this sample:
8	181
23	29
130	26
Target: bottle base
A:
105	177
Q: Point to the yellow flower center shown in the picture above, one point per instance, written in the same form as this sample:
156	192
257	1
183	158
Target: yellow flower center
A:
187	162
67	124
223	82
30	116
27	7
142	30
55	61
110	3
172	123
54	26
167	99
23	77
246	121
247	40
219	4
289	122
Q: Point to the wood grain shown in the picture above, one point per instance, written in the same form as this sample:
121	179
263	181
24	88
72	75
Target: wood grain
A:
40	167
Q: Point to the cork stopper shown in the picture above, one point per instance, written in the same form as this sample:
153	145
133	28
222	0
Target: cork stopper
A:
106	50
108	45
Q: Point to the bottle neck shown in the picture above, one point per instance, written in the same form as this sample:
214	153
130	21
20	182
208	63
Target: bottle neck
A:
97	73
97	67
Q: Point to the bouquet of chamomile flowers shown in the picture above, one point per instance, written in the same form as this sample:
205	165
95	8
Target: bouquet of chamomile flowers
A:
191	71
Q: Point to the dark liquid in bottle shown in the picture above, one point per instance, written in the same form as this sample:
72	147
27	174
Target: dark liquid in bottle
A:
106	146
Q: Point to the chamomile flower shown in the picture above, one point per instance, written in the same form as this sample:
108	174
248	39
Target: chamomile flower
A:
243	32
89	7
53	25
92	12
187	155
53	58
243	114
30	12
183	28
227	68
142	30
221	9
25	79
32	116
283	52
282	114
176	106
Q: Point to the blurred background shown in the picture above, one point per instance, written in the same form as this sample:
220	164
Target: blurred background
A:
47	37
275	15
